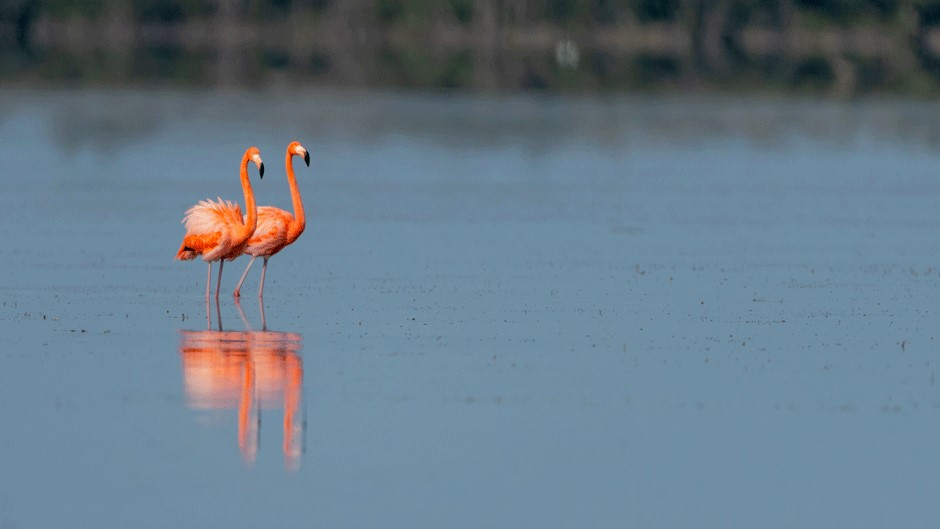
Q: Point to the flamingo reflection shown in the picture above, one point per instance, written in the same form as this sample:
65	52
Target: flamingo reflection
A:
247	371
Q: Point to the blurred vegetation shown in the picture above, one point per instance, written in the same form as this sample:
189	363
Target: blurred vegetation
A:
840	48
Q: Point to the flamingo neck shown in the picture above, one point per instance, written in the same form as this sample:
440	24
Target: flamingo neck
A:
300	221
250	209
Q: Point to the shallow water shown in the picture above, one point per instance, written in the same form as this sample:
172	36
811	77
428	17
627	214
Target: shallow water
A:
516	312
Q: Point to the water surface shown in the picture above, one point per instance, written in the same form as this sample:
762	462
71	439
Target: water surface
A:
505	312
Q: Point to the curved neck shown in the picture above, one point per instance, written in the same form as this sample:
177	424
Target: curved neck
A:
250	209
300	221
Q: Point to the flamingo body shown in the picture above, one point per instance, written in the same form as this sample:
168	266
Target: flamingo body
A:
271	234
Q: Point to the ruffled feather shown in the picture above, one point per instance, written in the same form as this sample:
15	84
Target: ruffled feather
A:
211	231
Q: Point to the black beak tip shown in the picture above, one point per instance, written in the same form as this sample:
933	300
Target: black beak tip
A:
307	158
261	171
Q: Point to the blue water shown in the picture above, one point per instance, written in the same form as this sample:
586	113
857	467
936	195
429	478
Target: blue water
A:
505	312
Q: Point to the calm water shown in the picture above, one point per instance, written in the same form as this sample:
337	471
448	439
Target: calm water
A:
504	313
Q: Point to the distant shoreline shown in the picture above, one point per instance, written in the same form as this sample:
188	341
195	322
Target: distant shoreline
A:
358	44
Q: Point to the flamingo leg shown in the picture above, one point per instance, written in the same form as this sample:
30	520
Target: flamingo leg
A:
241	314
218	312
208	313
264	324
219	284
208	282
244	275
264	268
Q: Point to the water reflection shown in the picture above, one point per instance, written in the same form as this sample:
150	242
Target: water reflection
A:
111	122
247	371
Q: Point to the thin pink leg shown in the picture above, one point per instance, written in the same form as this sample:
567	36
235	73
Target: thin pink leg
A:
219	284
208	282
241	314
208	313
218	312
244	275
264	268
264	324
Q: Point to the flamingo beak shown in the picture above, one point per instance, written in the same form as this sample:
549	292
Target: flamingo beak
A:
260	170
307	158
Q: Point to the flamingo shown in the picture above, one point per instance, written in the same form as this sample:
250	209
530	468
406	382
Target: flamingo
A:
216	230
277	228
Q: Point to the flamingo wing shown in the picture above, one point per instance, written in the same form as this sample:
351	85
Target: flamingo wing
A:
209	229
208	216
270	235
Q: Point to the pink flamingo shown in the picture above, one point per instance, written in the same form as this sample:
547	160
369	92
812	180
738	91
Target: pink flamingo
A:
216	230
277	228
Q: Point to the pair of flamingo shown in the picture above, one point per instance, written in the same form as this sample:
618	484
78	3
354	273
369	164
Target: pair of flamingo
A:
218	232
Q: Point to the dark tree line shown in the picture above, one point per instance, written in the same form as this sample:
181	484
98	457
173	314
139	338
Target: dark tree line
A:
842	47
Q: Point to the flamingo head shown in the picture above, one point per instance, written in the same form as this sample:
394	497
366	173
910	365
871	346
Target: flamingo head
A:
254	155
296	148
